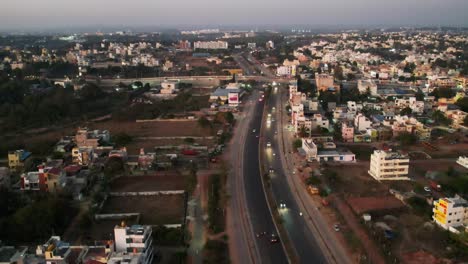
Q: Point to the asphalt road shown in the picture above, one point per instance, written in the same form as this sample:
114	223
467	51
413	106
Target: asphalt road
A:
303	240
260	215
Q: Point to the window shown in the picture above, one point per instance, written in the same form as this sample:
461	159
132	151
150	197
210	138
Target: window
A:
450	214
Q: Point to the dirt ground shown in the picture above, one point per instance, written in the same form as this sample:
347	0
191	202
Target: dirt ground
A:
154	129
134	147
162	181
155	210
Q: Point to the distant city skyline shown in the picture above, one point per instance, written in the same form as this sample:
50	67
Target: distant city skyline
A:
49	14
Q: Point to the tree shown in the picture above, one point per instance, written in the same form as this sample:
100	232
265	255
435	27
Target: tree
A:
302	131
90	91
121	139
204	122
419	95
229	118
440	118
463	104
406	111
114	165
407	139
297	144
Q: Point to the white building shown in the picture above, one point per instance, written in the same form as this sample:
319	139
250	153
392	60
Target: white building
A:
169	87
289	70
388	166
270	44
334	155
134	239
210	45
450	213
362	123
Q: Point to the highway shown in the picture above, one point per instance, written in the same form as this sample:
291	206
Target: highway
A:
303	240
248	212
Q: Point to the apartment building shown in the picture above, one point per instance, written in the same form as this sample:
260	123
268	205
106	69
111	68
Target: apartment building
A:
210	45
450	213
136	239
289	70
324	82
388	165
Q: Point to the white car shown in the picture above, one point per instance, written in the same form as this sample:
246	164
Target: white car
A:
336	227
427	189
269	144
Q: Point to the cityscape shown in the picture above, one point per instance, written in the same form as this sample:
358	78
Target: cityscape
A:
232	134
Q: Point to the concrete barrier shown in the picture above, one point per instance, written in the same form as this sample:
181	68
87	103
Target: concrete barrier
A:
154	193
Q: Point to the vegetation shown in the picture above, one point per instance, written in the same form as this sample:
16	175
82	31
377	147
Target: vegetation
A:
297	144
216	252
215	205
164	236
407	139
36	221
121	139
441	119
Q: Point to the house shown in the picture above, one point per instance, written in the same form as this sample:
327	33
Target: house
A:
347	132
388	166
329	154
325	82
457	117
451	213
47	178
17	159
169	87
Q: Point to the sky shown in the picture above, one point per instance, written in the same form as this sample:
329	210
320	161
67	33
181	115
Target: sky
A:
43	14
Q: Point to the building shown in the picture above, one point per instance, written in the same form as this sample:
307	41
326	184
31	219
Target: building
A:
46	179
450	213
457	117
270	44
329	154
325	82
288	71
362	123
388	166
184	45
347	132
210	45
463	161
94	138
17	159
169	87
11	255
134	239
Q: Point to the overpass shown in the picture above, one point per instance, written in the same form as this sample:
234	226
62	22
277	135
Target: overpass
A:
208	81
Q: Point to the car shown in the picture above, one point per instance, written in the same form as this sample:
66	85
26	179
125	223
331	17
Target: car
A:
274	239
271	170
268	144
427	189
253	130
282	205
336	227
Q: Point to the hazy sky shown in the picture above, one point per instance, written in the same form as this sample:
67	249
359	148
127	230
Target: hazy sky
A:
67	13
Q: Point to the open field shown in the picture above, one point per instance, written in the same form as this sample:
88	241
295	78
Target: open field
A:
155	210
162	128
104	229
149	144
161	181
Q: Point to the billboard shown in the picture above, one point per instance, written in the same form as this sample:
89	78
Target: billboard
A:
233	98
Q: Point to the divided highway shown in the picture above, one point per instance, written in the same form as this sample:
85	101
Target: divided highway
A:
302	239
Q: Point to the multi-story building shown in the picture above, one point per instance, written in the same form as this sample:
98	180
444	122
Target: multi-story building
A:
389	166
457	117
324	82
17	158
210	45
450	213
367	85
134	239
362	123
288	71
